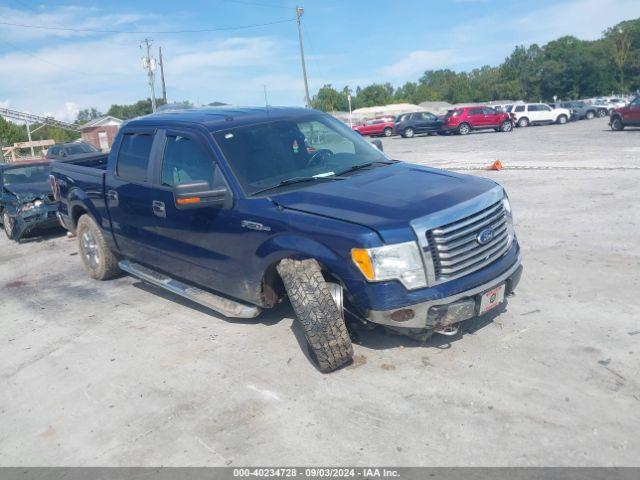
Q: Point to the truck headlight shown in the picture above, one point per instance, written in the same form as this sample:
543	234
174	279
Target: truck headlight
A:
401	262
511	234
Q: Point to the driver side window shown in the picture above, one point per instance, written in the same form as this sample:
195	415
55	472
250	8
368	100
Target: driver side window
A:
320	137
185	162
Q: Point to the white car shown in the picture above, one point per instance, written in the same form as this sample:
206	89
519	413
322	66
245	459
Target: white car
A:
525	114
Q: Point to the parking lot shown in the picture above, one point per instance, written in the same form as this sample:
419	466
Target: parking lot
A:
120	373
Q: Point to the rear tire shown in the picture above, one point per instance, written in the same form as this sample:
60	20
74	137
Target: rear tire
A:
464	129
388	132
408	132
318	313
523	122
590	115
98	260
602	112
616	124
8	224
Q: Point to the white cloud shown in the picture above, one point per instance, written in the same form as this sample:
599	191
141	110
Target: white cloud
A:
67	113
4	103
585	19
418	61
234	52
78	17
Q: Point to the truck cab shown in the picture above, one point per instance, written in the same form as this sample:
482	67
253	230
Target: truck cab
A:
239	209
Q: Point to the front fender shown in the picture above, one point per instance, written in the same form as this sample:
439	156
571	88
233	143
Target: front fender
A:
300	247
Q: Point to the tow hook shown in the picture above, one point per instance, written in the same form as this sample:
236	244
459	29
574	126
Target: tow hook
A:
447	330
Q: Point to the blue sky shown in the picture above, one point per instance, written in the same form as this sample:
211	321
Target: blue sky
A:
354	42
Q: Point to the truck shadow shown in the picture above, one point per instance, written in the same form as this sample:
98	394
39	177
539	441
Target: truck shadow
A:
380	338
376	338
270	317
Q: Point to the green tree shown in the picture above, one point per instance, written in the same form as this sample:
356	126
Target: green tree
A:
375	94
328	99
126	112
87	114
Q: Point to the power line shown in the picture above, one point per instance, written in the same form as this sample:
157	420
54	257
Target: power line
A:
43	60
156	32
259	4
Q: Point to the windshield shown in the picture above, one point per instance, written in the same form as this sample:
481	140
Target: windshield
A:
78	148
25	175
318	146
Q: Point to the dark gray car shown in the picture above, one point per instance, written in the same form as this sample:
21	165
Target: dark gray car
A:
72	150
580	109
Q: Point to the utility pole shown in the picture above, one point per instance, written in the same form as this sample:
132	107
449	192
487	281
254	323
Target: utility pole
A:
164	87
149	64
299	12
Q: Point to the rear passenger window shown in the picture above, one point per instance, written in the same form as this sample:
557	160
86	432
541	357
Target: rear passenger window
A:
519	108
475	111
185	162
133	156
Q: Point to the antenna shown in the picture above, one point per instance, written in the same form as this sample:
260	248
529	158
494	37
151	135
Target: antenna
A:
266	98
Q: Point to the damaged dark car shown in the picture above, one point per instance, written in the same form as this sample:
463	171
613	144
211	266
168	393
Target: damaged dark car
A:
26	200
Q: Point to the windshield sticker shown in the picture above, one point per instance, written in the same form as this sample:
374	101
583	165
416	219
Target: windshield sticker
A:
295	146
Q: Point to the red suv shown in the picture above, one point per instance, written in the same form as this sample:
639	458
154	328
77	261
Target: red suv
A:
626	116
381	126
463	120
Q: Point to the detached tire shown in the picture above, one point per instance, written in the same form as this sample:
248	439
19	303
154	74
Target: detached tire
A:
7	223
616	124
317	312
98	260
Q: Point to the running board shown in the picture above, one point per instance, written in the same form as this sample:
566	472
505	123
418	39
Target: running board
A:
228	308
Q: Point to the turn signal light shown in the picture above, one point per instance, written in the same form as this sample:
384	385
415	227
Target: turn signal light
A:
188	200
361	258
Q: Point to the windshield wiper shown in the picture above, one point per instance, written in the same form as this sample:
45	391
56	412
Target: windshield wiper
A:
291	181
365	165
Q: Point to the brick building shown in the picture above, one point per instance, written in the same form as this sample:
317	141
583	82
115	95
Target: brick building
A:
100	132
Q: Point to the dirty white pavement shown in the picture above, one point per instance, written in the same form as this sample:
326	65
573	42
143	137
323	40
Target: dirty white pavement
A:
119	373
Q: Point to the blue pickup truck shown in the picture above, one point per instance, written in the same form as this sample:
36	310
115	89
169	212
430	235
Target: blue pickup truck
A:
238	209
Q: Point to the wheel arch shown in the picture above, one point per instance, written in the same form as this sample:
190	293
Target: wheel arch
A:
296	247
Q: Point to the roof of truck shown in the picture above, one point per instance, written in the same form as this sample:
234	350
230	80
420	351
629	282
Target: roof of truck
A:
221	118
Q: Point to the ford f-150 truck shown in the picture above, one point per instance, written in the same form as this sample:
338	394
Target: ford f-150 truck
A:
237	209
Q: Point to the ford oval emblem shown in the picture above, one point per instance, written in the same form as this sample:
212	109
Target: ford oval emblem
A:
485	236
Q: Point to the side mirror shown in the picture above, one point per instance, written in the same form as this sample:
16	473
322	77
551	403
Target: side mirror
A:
378	144
199	194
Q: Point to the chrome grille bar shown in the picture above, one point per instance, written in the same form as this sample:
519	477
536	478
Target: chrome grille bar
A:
455	249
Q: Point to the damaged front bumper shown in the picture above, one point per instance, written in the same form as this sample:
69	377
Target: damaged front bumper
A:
445	311
44	216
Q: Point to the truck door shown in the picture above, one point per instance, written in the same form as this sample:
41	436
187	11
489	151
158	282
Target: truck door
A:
127	190
197	244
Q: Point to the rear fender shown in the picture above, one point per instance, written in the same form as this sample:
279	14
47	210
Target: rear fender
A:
80	203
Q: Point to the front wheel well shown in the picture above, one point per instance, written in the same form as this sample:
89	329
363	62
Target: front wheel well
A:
272	288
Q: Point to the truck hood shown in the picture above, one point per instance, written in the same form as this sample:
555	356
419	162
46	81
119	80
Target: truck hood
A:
28	192
386	199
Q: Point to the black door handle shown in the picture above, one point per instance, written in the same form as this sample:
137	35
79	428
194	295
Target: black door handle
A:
112	196
159	209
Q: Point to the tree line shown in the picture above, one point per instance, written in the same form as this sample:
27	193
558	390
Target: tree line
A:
568	68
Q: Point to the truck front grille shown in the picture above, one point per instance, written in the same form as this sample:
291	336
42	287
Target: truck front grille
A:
455	248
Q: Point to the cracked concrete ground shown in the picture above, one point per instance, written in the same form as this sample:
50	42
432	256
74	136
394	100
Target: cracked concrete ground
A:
119	373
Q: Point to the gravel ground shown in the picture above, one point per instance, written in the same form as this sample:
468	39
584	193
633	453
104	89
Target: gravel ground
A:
119	373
